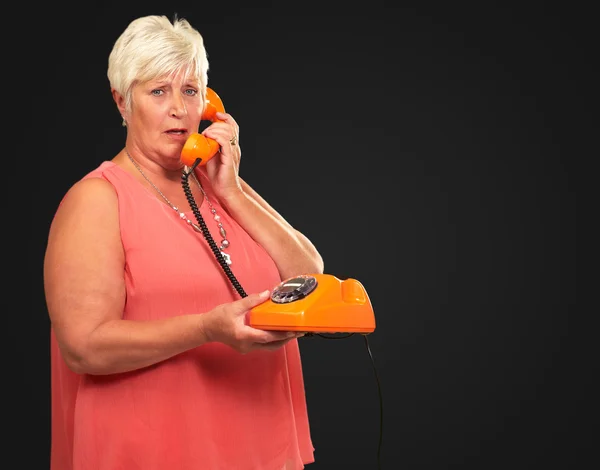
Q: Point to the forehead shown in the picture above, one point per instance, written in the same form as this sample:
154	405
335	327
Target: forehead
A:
162	73
181	76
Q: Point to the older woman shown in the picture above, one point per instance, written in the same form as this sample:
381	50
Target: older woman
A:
154	365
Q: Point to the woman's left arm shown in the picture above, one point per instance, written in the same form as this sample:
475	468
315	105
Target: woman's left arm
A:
292	251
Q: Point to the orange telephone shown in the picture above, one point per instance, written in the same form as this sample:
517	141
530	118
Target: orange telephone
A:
316	303
198	146
306	303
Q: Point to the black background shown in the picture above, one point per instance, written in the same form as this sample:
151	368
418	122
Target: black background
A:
424	151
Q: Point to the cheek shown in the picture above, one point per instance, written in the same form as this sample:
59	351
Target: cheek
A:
195	115
153	119
197	107
151	115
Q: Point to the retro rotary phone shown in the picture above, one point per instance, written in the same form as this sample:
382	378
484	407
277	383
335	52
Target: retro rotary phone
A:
315	304
308	303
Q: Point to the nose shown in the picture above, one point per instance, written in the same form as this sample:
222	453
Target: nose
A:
178	108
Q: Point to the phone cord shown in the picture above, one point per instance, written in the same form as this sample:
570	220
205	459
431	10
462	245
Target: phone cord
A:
213	246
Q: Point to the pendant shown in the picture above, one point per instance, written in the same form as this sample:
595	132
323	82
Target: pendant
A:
227	257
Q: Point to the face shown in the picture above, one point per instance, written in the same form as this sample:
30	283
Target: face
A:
164	113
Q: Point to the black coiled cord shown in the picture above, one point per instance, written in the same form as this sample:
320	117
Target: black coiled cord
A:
211	242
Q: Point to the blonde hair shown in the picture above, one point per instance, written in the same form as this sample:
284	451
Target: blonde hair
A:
153	47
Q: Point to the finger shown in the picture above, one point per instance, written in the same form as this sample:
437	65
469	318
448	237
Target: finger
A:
222	135
276	344
228	118
235	128
267	337
225	139
229	126
252	300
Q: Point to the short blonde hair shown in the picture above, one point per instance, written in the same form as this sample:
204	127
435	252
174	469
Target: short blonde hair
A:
153	47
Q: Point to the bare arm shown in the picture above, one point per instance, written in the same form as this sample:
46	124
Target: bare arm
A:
85	295
85	290
292	251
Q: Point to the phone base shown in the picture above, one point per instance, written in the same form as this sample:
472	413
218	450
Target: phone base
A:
322	329
316	303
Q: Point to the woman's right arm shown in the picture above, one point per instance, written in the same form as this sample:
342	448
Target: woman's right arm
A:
85	290
85	295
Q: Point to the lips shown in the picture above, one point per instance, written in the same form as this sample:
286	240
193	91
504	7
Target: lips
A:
176	131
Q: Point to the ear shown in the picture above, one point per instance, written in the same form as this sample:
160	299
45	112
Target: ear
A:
120	102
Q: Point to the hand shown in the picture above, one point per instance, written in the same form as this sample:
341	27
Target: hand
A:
223	168
227	323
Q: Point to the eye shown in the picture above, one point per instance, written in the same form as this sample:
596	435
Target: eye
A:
156	92
191	91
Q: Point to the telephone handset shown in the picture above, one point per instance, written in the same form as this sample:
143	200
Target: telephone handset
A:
198	146
307	303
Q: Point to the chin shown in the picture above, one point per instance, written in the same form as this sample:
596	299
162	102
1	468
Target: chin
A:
173	160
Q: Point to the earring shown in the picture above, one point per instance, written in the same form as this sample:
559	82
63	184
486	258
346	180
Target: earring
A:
124	123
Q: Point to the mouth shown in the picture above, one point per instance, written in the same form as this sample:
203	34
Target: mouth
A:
176	131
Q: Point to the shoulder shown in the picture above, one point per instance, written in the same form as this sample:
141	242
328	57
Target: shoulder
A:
92	196
87	216
96	187
90	191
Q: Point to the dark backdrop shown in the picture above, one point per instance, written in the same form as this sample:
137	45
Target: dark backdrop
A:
423	151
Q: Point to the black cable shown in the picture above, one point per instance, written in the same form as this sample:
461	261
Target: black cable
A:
380	402
376	378
329	337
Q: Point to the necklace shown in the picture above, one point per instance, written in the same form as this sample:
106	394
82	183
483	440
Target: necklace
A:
224	242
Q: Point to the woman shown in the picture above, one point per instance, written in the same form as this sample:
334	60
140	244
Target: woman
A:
153	363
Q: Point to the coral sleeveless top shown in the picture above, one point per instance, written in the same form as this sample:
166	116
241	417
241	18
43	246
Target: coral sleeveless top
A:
209	408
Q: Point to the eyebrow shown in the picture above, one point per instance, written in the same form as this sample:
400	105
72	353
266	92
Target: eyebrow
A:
168	82
158	82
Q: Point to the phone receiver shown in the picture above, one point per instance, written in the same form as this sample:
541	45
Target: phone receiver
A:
198	146
316	303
